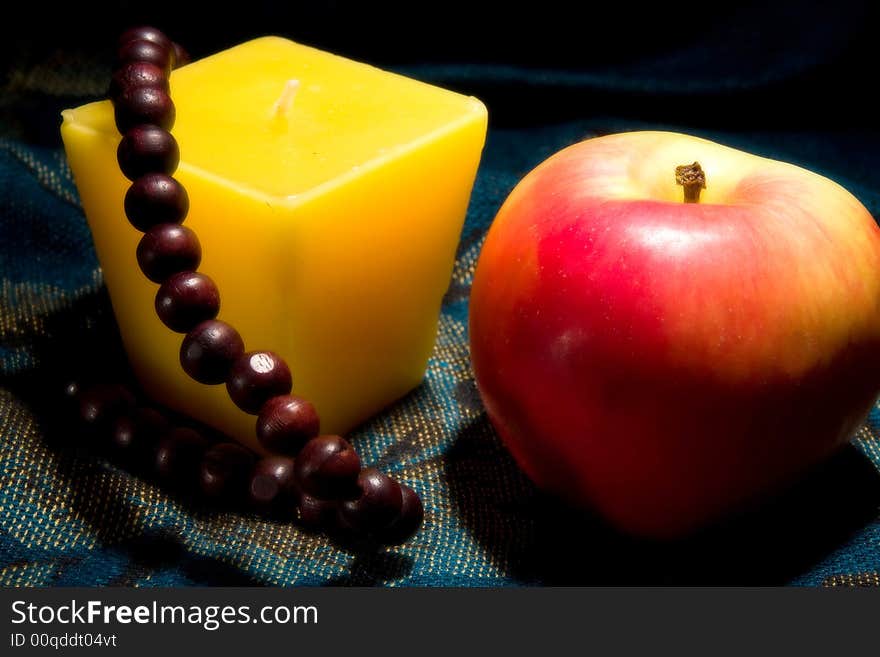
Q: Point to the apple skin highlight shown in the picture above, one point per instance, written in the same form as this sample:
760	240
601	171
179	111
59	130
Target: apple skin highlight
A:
664	363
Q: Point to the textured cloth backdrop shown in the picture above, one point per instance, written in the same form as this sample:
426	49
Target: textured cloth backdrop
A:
68	516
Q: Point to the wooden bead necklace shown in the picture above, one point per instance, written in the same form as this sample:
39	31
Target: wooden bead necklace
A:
320	476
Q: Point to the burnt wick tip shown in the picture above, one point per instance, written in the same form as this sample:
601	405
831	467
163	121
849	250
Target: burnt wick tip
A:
693	179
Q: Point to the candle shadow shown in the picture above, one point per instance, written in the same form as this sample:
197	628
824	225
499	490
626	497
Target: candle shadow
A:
82	343
543	541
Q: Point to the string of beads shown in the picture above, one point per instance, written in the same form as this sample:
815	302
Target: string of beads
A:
318	476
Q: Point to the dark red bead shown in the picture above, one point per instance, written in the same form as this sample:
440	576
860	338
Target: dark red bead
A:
209	350
100	404
256	377
137	74
186	299
145	33
147	149
70	398
181	56
122	435
179	453
152	424
224	470
272	485
72	390
407	521
140	105
378	506
142	50
167	249
317	513
327	467
134	433
286	423
155	199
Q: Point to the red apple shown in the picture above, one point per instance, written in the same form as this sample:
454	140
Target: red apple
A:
664	362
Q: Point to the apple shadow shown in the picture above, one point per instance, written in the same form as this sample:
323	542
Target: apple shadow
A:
546	542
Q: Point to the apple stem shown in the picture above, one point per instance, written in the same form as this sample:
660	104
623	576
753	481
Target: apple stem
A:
693	179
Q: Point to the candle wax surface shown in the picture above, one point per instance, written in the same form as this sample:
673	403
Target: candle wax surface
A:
329	220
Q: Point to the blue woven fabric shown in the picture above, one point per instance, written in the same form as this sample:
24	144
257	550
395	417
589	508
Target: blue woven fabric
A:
70	516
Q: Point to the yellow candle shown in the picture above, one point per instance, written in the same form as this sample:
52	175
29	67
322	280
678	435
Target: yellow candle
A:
328	197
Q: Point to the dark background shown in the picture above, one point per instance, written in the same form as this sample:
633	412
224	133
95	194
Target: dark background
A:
757	65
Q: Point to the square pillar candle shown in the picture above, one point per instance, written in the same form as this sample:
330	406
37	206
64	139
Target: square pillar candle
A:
328	197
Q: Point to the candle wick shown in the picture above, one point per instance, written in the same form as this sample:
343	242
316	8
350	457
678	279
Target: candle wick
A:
285	102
